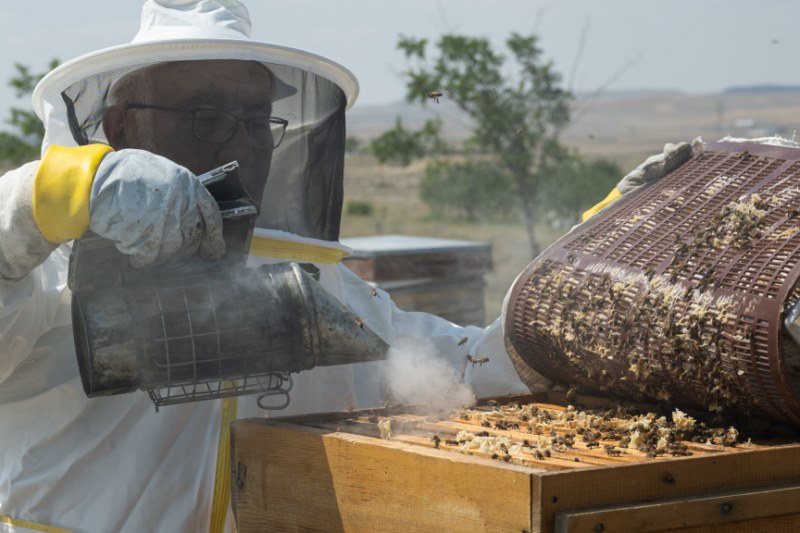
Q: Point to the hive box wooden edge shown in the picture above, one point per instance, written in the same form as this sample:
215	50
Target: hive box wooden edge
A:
291	475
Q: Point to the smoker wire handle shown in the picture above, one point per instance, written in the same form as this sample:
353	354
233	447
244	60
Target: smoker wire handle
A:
280	392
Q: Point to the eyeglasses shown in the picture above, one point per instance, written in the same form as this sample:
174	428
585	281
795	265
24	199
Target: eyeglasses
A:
218	127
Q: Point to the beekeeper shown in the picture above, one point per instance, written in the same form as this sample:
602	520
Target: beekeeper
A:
128	129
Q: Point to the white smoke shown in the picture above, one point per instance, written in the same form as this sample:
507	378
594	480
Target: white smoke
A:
416	373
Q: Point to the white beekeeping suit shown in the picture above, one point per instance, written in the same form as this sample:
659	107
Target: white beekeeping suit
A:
114	163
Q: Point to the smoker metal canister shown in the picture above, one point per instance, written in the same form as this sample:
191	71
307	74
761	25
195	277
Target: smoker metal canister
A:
211	327
676	292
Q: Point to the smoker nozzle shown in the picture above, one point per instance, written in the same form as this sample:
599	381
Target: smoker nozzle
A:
213	327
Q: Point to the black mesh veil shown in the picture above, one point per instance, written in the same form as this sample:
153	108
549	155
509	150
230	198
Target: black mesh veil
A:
303	193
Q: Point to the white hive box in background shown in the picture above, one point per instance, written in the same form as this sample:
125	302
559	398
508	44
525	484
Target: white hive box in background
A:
439	276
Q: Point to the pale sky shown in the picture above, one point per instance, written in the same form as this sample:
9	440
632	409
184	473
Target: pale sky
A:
696	46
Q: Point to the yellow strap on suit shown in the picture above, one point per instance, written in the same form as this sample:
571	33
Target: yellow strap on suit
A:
608	200
62	188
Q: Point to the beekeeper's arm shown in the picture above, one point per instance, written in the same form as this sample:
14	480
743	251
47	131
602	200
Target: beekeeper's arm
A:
154	210
652	169
494	377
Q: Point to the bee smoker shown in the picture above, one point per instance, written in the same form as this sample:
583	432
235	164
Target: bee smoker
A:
207	329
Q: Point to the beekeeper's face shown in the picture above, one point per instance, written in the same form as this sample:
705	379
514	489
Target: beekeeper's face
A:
199	114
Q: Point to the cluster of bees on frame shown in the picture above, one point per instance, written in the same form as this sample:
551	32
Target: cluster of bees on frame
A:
521	433
653	335
674	336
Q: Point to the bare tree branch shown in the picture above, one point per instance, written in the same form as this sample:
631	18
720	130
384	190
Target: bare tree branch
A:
578	55
581	106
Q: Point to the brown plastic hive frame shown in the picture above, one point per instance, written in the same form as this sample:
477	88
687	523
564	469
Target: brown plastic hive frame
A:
677	291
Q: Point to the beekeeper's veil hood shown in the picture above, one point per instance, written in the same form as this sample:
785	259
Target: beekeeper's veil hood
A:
303	195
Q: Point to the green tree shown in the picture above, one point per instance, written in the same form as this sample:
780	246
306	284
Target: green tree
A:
352	145
24	143
518	117
576	184
475	188
402	146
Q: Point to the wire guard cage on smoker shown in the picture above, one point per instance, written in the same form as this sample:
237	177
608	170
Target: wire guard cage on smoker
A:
676	292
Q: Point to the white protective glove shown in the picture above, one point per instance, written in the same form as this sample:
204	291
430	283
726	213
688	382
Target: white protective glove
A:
155	211
656	167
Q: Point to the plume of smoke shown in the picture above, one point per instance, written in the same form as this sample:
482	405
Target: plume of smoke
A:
416	373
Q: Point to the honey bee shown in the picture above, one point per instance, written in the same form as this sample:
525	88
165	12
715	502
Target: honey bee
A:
359	322
463	341
571	394
436	441
612	451
479	360
373	292
434	95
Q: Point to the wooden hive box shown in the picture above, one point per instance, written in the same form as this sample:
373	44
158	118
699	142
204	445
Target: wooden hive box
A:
334	472
439	276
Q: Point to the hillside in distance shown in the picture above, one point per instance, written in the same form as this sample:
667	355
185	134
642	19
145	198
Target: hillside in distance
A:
622	126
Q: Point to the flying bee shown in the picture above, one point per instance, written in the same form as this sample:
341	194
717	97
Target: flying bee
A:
478	360
463	341
373	292
434	95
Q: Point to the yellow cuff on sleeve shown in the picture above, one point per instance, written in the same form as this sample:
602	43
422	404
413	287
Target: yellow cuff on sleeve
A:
612	196
62	188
